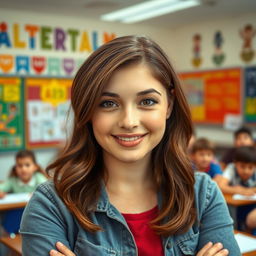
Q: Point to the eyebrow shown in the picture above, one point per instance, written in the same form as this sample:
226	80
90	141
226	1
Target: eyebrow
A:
115	95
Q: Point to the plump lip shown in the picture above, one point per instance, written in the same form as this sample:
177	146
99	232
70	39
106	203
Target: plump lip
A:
129	140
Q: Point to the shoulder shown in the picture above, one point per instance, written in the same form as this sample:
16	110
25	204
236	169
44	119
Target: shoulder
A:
40	177
45	196
229	171
215	167
46	202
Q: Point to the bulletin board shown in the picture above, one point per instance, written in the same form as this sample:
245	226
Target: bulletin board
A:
250	95
11	114
213	94
47	104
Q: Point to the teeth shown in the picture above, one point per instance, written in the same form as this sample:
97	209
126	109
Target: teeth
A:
128	139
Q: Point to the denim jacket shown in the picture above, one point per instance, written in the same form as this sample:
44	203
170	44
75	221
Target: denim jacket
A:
46	220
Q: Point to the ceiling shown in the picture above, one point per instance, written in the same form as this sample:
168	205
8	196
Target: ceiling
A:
92	9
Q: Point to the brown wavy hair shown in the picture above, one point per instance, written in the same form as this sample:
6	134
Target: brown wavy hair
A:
78	171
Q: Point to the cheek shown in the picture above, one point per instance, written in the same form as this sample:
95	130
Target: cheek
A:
101	124
155	121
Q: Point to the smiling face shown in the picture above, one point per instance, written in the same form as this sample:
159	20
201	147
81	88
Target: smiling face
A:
130	118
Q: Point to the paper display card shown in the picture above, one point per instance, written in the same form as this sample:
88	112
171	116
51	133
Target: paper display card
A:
47	102
242	197
15	198
245	243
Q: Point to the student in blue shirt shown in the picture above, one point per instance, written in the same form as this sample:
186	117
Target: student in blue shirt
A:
127	155
202	155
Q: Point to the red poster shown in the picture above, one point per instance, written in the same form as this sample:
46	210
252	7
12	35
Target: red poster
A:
213	94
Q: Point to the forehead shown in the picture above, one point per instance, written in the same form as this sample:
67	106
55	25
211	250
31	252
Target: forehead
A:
243	135
204	151
244	164
138	76
26	159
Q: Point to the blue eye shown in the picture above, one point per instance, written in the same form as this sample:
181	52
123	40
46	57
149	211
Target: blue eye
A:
148	102
108	104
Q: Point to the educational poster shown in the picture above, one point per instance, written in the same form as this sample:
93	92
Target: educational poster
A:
47	105
250	94
213	94
11	114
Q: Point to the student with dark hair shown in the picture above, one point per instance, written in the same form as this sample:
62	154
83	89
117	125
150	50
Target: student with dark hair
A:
202	155
242	137
24	177
124	184
240	178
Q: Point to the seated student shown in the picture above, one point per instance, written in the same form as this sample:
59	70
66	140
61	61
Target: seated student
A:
240	178
25	175
242	137
202	155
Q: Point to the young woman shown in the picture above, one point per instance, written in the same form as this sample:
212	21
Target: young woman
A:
124	184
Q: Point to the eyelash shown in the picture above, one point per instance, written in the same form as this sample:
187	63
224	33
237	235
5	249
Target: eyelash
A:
108	102
152	102
111	104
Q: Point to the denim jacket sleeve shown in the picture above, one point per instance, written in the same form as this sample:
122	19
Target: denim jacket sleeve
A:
44	222
215	223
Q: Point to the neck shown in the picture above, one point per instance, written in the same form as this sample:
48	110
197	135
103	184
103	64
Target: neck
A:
121	176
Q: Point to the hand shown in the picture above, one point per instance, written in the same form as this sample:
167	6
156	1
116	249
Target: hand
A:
245	191
2	194
211	249
63	250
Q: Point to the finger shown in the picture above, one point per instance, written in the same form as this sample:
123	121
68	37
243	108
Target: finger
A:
214	249
205	249
64	249
55	253
223	252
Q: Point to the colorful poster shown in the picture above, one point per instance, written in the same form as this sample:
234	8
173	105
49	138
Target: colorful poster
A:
11	114
250	94
213	94
47	105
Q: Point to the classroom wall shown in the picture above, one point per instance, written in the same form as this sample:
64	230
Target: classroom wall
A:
176	42
232	46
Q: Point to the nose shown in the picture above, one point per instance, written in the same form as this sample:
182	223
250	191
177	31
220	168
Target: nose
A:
129	118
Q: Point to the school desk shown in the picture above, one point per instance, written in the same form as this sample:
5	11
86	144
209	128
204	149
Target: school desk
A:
14	244
234	202
11	206
14	201
252	253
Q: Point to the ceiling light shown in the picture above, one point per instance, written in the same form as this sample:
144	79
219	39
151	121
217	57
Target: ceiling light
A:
148	10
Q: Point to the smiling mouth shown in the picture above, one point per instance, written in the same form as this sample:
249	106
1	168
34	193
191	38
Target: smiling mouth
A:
129	140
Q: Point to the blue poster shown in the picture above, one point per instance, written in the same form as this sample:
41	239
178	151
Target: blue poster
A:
250	95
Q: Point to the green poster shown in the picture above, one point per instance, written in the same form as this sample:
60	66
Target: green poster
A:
11	114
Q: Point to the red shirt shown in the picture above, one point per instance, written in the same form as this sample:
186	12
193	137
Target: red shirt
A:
148	243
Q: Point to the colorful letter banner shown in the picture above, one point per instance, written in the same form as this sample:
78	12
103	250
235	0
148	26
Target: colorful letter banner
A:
250	94
11	114
213	94
47	104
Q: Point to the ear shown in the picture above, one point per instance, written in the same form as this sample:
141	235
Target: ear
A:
170	107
